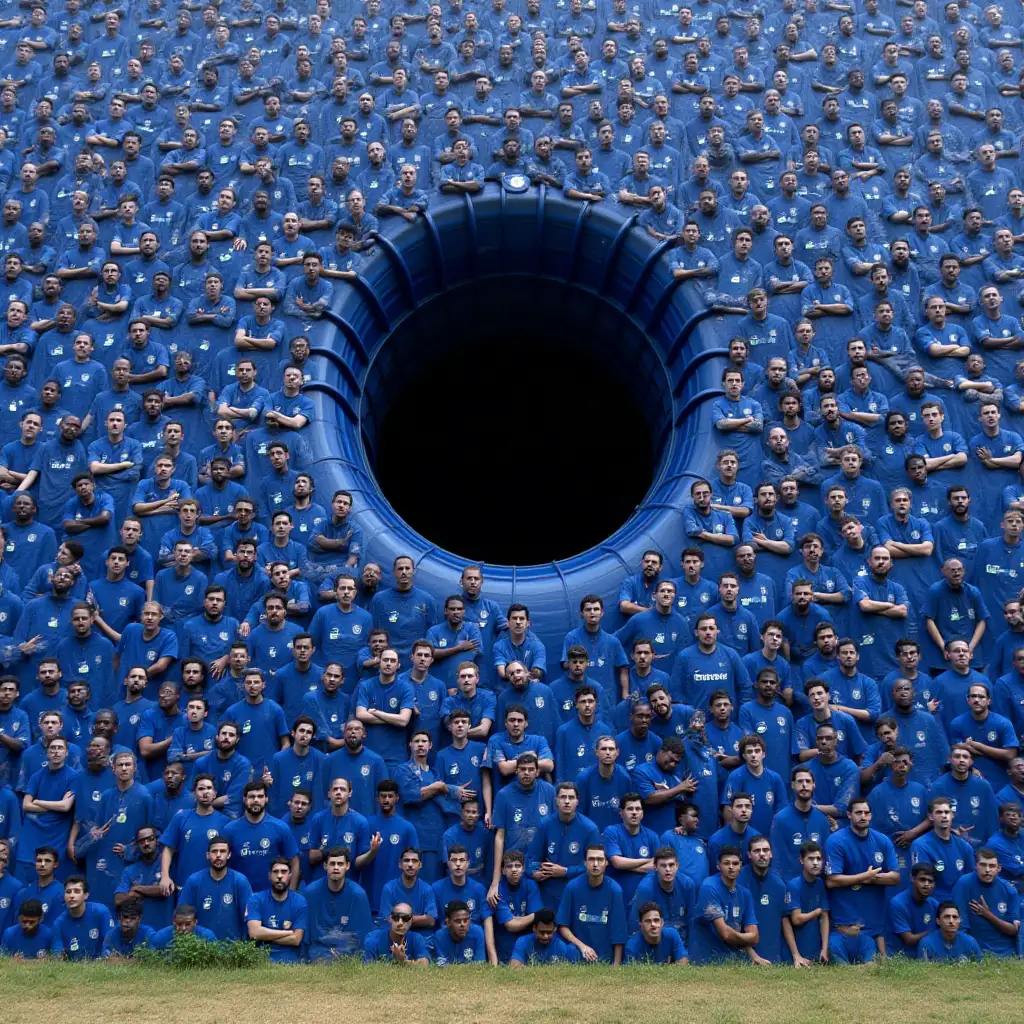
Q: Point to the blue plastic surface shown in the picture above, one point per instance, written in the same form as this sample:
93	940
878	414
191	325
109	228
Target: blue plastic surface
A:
538	233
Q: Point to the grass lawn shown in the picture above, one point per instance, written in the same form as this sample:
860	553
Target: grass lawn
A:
46	993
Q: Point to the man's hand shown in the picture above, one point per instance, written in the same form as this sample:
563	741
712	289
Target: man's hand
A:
981	908
29	646
218	666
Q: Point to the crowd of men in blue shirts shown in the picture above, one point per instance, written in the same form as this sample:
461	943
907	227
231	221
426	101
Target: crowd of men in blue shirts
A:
218	717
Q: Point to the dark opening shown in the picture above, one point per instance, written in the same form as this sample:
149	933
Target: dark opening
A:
528	439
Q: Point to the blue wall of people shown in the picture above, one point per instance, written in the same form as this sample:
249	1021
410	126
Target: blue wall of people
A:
794	738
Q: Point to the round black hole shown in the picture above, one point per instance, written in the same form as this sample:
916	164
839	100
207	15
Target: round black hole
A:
513	421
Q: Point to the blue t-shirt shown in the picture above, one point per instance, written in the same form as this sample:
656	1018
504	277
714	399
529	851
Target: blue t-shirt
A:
935	948
1002	899
974	804
906	914
951	858
386	740
363	771
847	853
328	829
220	903
528	950
116	943
676	903
255	844
81	938
715	901
289	913
698	674
807	897
378	946
14	942
520	812
338	922
339	636
769	895
669	949
166	936
406	615
470	949
596	915
188	834
420	896
768	791
156	911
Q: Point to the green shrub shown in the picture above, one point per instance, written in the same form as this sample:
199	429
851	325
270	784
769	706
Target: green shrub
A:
189	953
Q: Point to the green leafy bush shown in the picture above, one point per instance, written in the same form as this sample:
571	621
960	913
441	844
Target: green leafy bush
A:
189	953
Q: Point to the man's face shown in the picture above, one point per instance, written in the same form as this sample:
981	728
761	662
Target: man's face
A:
860	816
826	738
942	816
596	863
651	925
586	705
74	895
256	802
124	767
526	773
218	855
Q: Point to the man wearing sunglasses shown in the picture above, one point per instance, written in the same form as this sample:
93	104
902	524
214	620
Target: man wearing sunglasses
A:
397	943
